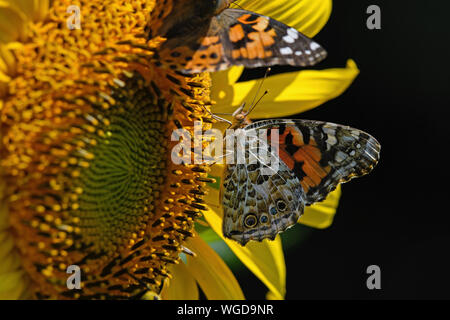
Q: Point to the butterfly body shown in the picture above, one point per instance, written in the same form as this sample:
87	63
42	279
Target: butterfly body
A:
184	17
209	36
314	158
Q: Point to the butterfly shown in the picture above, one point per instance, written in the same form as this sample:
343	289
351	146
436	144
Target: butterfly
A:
313	156
207	35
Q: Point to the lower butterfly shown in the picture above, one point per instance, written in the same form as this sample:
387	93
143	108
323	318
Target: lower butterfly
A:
314	158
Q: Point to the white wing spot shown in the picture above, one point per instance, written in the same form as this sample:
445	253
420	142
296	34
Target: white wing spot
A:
340	156
331	140
286	51
307	51
298	53
314	46
292	33
288	39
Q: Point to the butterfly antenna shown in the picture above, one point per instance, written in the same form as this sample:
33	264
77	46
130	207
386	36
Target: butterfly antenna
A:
252	105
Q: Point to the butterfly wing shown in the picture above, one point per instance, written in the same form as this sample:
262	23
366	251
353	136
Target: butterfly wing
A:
254	40
258	206
322	154
238	37
315	157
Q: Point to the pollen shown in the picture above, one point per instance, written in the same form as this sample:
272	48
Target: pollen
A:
86	153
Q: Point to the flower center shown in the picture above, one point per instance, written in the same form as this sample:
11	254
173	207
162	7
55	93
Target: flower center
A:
117	187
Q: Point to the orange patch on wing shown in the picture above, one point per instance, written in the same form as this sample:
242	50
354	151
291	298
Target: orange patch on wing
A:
297	137
239	53
308	154
286	158
268	38
207	41
311	156
244	53
261	24
206	59
305	186
235	54
255	47
308	181
237	33
243	19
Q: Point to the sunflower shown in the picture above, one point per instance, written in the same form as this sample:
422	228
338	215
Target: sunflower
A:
86	176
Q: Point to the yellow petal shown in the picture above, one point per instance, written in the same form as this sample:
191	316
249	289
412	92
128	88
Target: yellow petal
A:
265	259
182	286
34	9
213	196
7	59
12	285
212	274
12	279
12	23
151	295
290	93
4	78
224	80
9	259
321	214
4	222
42	9
307	16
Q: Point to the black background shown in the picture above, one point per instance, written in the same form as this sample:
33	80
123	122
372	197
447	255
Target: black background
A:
397	217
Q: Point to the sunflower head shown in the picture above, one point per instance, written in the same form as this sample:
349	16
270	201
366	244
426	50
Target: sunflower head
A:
85	142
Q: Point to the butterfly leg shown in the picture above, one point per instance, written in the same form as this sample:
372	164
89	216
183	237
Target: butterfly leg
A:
216	117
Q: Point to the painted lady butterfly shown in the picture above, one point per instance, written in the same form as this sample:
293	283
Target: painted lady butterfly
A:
315	157
206	35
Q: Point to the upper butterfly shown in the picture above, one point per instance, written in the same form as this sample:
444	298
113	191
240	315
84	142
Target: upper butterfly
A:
206	35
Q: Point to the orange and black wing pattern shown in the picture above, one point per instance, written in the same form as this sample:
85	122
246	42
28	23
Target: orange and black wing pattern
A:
254	40
235	37
322	154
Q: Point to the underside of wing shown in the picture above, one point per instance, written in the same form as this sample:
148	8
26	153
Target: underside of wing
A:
259	206
195	50
238	37
254	40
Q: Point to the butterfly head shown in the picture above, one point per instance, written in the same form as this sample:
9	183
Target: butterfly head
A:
240	118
